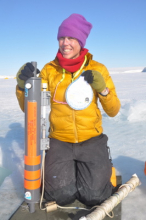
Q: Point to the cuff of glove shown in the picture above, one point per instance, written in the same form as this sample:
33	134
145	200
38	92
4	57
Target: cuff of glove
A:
20	88
105	93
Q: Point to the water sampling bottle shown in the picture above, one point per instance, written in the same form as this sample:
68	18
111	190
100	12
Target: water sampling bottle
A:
32	158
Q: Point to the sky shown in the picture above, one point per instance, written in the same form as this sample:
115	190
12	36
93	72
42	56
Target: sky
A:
28	31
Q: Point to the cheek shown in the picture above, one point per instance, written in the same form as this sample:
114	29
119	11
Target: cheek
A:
60	48
77	48
60	44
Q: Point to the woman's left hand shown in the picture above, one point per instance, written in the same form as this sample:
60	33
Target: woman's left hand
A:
96	80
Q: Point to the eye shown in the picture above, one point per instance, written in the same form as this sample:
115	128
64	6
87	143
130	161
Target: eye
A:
61	38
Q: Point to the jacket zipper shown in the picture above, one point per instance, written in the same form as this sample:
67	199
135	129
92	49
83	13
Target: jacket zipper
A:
75	130
74	122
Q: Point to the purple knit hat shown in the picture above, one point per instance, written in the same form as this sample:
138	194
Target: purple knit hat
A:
75	26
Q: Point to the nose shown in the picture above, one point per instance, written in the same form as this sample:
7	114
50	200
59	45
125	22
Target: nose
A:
66	41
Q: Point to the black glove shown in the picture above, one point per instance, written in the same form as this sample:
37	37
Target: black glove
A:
25	72
88	76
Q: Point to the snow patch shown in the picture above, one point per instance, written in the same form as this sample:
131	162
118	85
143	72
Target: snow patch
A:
126	70
132	111
137	112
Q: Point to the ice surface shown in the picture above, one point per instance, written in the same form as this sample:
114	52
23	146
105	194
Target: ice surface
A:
126	133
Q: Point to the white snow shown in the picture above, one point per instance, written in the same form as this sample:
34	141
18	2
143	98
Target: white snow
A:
126	133
7	77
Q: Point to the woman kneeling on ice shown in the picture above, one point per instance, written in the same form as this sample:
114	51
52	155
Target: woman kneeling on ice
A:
77	164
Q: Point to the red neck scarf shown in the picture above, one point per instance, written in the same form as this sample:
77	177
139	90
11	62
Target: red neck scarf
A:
72	65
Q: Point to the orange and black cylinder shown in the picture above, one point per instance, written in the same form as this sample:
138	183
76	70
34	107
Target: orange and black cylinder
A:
32	157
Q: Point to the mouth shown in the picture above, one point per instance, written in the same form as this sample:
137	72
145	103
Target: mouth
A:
66	51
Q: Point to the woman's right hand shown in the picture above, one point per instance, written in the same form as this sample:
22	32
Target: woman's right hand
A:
24	73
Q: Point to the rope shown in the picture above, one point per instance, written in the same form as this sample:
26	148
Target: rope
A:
107	206
61	207
43	175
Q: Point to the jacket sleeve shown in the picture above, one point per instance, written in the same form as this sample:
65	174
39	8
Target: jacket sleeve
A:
44	76
20	97
110	103
20	93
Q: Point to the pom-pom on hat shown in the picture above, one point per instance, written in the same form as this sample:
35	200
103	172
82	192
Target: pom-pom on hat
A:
75	26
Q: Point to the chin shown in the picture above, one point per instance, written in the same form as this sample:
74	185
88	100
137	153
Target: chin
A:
67	57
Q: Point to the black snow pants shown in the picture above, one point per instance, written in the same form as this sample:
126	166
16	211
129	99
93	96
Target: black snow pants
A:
78	171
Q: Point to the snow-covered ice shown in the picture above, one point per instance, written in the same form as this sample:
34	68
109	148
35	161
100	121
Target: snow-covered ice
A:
126	133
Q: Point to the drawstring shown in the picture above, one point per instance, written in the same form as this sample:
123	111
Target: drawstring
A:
76	74
78	70
63	77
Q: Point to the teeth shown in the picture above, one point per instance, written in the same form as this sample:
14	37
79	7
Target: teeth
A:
66	50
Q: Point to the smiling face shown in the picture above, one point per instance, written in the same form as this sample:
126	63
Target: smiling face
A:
69	47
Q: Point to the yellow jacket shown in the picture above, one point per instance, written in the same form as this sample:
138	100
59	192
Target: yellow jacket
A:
67	124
